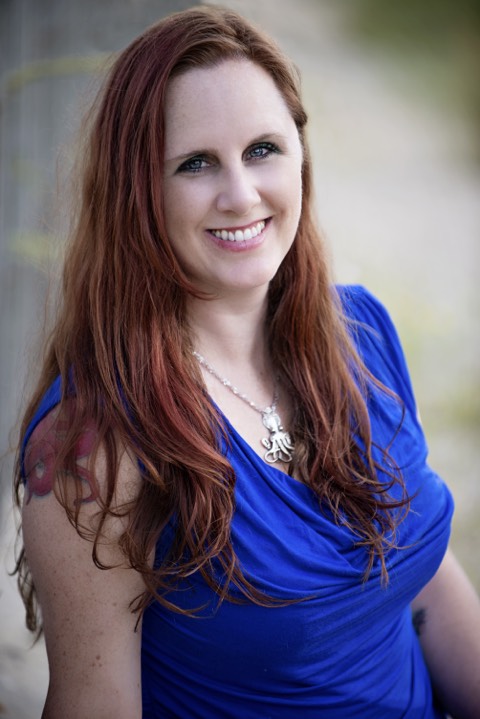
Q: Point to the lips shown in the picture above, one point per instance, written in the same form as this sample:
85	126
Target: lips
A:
240	235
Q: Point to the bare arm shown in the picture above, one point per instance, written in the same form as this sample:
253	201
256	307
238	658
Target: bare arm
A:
93	649
447	614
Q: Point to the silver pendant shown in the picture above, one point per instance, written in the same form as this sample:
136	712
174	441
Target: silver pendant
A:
279	444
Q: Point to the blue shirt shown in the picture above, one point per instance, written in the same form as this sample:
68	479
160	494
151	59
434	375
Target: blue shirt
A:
349	651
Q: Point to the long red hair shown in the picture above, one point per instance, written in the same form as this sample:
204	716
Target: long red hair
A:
121	337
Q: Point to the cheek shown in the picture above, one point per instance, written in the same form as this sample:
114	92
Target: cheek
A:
293	193
290	191
287	180
185	208
171	203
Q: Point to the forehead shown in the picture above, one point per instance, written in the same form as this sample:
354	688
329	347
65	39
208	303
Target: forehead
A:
236	97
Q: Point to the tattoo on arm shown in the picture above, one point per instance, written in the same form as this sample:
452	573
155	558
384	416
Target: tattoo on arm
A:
419	617
42	450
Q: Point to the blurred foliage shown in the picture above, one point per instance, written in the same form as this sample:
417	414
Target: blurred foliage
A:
438	42
463	405
35	248
55	67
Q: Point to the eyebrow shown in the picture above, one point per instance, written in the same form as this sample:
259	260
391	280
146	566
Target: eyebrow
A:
266	136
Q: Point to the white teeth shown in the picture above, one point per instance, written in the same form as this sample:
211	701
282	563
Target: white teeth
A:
240	235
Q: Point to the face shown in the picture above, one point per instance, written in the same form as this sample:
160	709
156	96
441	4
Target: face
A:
232	185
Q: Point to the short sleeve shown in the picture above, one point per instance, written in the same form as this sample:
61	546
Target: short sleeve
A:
394	422
394	418
378	344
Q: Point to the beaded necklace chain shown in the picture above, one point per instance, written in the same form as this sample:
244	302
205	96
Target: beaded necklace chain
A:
279	444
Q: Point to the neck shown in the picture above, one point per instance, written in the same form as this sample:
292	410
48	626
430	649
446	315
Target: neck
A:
231	333
231	341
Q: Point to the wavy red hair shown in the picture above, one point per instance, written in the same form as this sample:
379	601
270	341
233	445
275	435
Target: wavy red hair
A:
121	333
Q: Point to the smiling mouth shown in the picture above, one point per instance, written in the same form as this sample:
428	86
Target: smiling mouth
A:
237	235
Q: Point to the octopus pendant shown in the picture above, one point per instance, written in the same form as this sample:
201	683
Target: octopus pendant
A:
279	445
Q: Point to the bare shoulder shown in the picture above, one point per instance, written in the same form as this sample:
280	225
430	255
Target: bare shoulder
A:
90	631
42	452
48	532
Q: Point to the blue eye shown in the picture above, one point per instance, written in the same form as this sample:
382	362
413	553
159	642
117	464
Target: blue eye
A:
262	150
194	164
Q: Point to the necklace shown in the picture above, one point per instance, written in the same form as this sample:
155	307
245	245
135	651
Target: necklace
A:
279	444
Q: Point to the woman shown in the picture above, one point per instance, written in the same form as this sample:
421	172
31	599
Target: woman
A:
197	551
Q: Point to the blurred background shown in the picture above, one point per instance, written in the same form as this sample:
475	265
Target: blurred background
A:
393	95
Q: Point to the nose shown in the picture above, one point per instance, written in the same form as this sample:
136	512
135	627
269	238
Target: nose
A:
237	191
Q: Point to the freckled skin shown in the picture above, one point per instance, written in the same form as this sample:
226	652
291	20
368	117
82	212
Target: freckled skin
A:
43	447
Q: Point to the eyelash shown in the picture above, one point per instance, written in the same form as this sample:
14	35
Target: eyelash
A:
269	146
187	167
